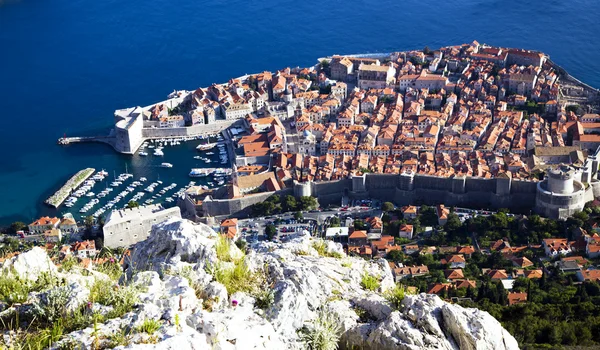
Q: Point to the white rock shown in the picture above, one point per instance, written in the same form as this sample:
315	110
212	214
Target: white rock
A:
30	265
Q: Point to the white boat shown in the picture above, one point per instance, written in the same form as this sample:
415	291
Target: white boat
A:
90	194
198	173
197	157
166	165
143	179
158	152
143	154
206	147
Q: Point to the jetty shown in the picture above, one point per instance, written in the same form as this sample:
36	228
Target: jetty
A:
80	139
75	181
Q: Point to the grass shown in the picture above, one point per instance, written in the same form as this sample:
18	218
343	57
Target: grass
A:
223	249
236	279
321	248
324	334
369	282
111	269
149	326
121	298
68	264
121	338
395	296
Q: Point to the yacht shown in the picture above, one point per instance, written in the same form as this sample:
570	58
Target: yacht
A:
198	172
206	147
166	165
158	152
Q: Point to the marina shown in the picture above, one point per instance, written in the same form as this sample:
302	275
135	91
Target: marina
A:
146	179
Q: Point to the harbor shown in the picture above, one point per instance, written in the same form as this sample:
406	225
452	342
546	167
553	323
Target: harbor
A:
147	177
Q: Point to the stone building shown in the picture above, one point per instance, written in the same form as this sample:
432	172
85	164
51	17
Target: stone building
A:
126	227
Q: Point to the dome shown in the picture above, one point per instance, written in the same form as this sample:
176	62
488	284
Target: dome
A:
306	133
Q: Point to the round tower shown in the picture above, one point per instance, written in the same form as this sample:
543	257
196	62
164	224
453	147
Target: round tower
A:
560	179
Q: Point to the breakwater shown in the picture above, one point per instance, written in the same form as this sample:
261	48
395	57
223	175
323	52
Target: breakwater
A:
75	181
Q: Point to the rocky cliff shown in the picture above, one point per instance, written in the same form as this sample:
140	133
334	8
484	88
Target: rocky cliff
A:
191	290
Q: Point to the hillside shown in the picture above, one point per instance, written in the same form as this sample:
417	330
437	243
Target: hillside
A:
187	288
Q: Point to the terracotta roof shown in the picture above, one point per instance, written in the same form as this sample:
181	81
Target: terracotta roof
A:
517	298
454	274
358	234
497	274
45	220
531	274
591	275
229	222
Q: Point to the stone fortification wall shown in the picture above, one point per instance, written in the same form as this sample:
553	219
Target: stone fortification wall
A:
331	192
480	185
238	206
194	130
433	182
430	190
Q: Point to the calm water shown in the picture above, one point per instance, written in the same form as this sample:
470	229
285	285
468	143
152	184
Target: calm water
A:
66	65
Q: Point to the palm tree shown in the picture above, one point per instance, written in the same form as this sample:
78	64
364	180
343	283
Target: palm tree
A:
106	252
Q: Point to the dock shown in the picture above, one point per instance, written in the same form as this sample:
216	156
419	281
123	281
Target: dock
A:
75	181
80	139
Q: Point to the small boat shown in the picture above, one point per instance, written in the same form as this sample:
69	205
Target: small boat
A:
143	179
143	154
197	157
198	173
158	152
206	147
166	165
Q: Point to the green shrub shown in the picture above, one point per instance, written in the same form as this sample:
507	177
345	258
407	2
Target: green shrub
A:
395	296
149	326
68	264
12	289
369	282
324	334
264	298
52	306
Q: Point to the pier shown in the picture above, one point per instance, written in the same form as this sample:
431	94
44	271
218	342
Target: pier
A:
75	181
80	139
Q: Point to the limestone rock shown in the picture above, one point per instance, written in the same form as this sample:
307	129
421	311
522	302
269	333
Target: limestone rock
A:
195	311
171	242
30	265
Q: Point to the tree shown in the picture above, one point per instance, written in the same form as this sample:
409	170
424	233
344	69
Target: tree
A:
289	203
334	222
387	206
270	231
395	255
308	203
453	223
133	204
360	225
298	216
15	227
88	222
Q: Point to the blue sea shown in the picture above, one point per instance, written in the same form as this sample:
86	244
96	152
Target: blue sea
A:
66	65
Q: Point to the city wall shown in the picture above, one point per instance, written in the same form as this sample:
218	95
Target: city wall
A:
516	195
